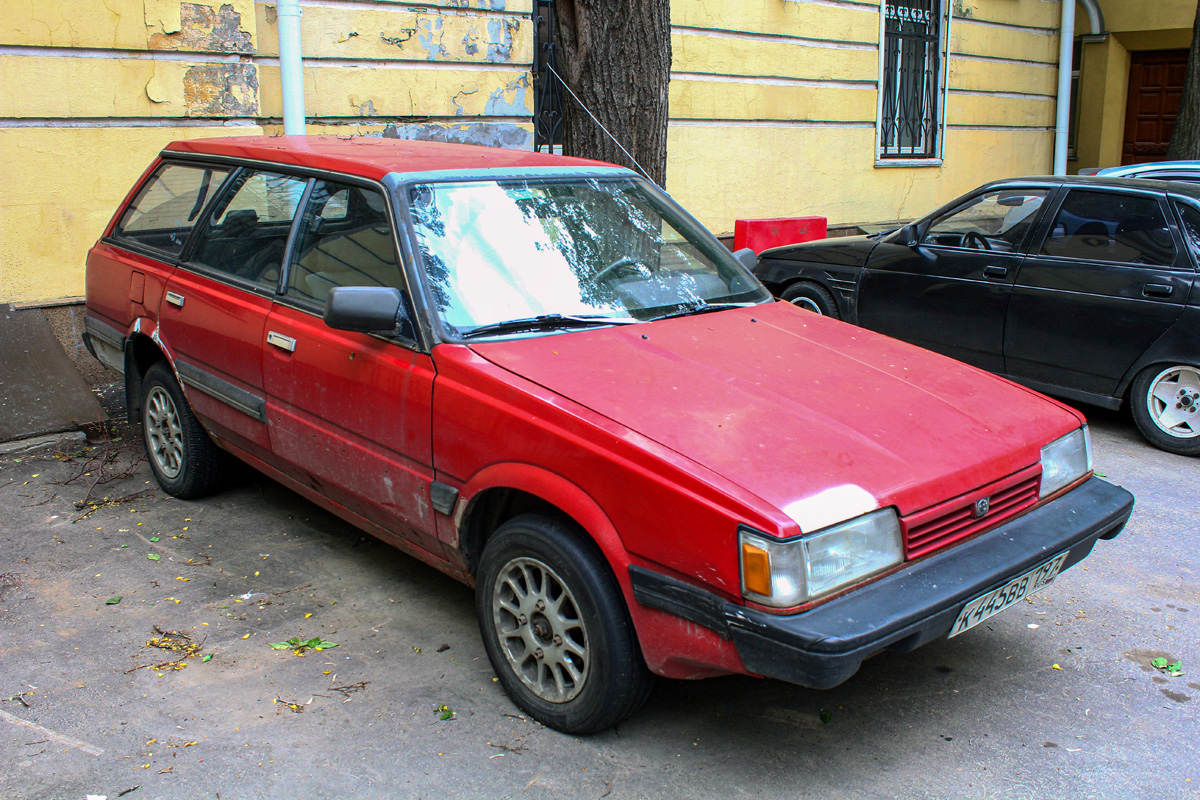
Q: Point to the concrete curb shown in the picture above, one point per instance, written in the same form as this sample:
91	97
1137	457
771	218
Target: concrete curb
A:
55	442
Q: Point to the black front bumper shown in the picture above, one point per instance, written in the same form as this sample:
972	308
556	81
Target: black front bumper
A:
824	646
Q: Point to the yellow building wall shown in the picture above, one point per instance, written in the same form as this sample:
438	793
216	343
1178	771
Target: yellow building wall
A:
773	102
92	91
774	107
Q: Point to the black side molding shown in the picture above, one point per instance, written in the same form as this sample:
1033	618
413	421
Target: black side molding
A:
443	497
234	396
676	597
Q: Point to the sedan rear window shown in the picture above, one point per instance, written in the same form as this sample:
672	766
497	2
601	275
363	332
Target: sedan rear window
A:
164	212
1107	226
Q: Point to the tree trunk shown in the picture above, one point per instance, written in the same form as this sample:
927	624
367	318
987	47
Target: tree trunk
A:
1185	141
615	55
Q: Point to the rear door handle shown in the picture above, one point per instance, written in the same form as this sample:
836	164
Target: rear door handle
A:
1157	290
281	341
175	299
995	272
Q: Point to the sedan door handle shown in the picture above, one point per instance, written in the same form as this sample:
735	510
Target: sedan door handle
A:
1157	290
281	341
175	299
995	272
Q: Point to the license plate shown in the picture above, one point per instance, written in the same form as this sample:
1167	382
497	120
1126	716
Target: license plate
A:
997	600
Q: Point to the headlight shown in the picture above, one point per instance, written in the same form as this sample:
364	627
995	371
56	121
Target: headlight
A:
787	573
1065	461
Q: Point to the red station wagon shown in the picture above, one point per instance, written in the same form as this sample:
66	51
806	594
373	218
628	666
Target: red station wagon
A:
541	376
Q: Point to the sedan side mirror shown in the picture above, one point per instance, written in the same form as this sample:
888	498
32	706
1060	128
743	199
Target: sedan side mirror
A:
747	258
368	309
910	235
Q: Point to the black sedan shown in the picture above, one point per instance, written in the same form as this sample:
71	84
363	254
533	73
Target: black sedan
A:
1084	288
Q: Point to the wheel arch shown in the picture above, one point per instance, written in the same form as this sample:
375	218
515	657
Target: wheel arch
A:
671	645
1178	345
142	351
503	491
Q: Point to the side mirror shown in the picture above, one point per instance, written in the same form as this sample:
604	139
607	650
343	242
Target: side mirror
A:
747	258
910	235
368	309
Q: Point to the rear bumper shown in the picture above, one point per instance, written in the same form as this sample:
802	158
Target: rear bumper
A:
824	646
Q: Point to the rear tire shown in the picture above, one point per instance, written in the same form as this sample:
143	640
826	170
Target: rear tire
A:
556	628
1165	401
184	460
812	297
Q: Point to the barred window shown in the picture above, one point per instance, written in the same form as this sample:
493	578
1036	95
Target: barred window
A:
910	112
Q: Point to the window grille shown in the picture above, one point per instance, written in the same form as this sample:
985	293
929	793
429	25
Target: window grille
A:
910	111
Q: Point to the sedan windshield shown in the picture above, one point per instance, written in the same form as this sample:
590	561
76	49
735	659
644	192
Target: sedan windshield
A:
553	254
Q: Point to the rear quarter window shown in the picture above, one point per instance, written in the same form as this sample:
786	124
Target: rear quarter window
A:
166	208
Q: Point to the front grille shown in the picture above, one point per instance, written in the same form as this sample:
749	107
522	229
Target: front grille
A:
939	526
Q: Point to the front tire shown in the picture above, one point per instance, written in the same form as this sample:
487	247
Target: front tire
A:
812	297
556	628
1165	401
184	460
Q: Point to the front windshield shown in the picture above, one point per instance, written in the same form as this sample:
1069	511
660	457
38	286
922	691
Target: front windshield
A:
602	250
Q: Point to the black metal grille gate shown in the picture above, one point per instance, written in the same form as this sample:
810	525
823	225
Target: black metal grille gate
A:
547	90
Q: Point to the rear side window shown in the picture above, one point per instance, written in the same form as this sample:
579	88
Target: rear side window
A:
166	209
1107	226
1191	226
247	234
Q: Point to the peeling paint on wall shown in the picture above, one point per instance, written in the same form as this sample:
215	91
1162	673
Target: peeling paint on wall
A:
165	14
431	38
492	134
500	39
206	29
460	111
398	41
221	90
511	100
471	42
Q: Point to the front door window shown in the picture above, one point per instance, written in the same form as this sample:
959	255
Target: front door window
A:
992	221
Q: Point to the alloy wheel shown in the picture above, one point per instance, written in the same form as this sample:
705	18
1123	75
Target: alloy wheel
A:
164	432
540	630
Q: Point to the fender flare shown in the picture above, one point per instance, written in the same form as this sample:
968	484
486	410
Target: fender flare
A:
558	491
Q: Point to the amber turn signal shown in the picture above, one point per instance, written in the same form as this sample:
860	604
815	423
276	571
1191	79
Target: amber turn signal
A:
756	570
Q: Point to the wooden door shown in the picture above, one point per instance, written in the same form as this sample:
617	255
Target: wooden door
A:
1155	87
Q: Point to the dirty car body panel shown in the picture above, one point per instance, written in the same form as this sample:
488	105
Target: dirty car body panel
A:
542	377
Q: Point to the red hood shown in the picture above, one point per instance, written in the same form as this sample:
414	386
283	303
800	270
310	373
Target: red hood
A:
789	405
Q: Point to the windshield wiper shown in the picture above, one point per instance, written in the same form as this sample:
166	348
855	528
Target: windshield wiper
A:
702	307
546	322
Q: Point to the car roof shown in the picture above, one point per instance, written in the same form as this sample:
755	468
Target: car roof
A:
1175	187
1151	166
371	156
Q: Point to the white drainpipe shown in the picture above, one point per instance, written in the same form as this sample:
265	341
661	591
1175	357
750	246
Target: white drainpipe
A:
291	69
1062	111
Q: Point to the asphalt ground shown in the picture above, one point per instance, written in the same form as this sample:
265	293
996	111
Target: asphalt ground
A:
1056	697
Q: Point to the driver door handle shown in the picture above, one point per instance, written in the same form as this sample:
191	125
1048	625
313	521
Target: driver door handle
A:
1157	290
995	272
281	341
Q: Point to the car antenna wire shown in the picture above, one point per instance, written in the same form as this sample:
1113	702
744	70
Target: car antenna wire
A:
601	125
